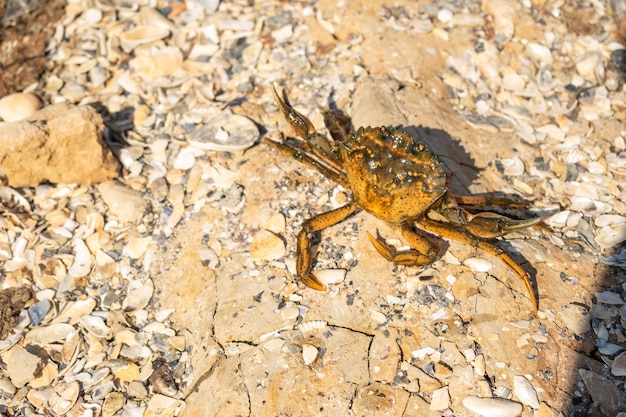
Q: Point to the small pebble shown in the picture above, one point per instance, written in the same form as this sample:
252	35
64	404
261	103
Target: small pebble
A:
18	106
267	246
493	407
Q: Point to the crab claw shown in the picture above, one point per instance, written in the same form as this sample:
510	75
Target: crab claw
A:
489	225
303	126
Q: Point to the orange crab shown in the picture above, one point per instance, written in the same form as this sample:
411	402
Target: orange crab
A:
397	179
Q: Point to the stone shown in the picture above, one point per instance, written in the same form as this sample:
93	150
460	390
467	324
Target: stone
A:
618	368
59	144
380	400
603	391
21	365
440	399
384	356
125	204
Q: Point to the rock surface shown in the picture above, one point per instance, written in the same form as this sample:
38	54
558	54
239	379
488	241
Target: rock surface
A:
59	144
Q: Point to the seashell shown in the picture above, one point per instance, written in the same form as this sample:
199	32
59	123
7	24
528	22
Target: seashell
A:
226	132
290	311
513	166
609	297
331	276
525	392
43	335
141	35
74	310
82	260
136	247
275	224
309	353
18	106
138	295
267	246
160	405
478	264
152	17
490	407
539	53
309	326
586	65
616	162
610	236
92	16
203	52
513	82
95	326
163	62
604	220
209	257
378	317
68	395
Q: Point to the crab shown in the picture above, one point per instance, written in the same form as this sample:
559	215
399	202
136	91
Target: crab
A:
397	179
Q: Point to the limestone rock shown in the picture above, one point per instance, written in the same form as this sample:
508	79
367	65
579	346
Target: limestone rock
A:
60	144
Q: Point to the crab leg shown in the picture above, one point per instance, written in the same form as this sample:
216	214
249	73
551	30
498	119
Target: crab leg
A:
304	257
422	252
449	231
296	153
488	200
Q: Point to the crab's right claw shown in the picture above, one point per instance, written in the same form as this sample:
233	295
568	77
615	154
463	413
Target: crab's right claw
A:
490	225
303	126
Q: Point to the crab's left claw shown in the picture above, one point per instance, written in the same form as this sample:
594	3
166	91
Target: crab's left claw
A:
490	225
303	126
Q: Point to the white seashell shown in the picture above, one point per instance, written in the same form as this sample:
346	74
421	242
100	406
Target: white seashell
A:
478	264
309	353
68	396
610	236
331	276
290	311
273	345
141	35
201	52
186	158
513	82
138	295
43	335
609	297
312	325
242	133
82	260
283	34
587	64
92	16
18	106
74	310
539	53
136	247
553	131
209	257
609	220
152	17
130	85
423	352
525	392
493	407
513	166
267	246
95	325
378	317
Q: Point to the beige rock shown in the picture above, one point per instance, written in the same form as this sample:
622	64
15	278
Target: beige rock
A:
380	400
384	356
60	144
21	366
